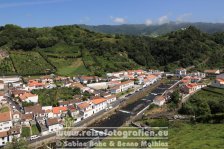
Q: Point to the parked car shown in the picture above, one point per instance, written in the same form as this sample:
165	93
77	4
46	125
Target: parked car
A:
34	137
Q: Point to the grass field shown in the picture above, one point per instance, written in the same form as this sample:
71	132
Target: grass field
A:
199	136
182	135
29	63
62	50
130	138
69	67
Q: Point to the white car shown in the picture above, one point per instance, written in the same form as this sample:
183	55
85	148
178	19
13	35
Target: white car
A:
34	137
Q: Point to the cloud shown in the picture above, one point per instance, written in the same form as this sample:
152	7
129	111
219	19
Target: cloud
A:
163	20
184	17
19	4
119	20
148	22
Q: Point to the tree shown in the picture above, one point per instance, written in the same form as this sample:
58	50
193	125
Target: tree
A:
17	144
69	121
175	97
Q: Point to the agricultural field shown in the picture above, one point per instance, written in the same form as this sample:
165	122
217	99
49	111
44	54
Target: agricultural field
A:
197	136
210	93
107	63
215	90
69	67
30	63
6	67
62	51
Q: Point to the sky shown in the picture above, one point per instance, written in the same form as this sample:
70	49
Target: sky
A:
39	13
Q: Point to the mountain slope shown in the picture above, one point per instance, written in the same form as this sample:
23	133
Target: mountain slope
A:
72	50
154	30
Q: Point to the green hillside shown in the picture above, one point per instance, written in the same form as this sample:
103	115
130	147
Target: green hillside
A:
72	50
154	30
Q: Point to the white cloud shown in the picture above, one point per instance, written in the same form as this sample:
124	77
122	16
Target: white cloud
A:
40	2
163	20
148	22
119	20
184	17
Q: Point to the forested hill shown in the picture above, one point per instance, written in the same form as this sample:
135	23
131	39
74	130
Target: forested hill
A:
154	30
72	50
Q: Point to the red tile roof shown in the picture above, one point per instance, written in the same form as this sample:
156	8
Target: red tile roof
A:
57	110
26	95
3	134
5	116
84	105
98	100
191	85
33	83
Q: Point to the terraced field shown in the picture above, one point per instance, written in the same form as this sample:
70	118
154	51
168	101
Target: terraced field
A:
6	67
30	63
69	67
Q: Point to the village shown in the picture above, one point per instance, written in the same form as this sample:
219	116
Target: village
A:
23	115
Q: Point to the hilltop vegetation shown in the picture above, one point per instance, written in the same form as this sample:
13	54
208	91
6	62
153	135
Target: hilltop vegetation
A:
154	30
72	50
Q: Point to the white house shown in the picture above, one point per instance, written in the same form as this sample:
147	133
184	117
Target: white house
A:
85	109
98	104
116	89
29	97
59	111
150	79
110	98
5	121
219	81
33	84
97	86
126	85
53	125
159	100
181	72
212	72
48	111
